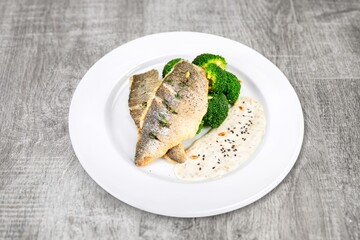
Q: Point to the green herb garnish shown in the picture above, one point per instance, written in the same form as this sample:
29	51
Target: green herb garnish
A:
183	84
168	107
153	136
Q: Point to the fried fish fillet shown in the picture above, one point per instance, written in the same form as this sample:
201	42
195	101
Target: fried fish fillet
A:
142	91
175	113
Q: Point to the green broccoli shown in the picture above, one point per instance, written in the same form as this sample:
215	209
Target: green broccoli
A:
217	78
217	111
168	66
203	60
200	127
233	88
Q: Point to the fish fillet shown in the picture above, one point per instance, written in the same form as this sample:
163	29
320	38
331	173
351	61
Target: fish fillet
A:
175	113
142	91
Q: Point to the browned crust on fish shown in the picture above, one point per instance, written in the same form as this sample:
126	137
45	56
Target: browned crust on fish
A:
177	154
146	161
142	91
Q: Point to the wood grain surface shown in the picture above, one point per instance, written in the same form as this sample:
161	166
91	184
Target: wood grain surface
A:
47	46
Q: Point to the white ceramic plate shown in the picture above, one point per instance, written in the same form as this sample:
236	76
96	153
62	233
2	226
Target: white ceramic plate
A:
103	134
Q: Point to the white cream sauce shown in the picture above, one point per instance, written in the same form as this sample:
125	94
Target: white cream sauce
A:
225	148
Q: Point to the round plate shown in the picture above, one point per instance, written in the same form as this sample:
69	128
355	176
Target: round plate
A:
103	134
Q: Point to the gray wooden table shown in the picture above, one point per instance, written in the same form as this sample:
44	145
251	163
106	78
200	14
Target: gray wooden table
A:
47	46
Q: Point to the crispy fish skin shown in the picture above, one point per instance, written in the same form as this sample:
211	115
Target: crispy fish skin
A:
176	154
175	113
142	91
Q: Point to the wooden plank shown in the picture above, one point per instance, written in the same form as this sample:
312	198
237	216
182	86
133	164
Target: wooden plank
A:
47	46
338	101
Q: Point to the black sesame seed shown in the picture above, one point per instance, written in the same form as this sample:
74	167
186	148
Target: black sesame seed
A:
200	169
213	167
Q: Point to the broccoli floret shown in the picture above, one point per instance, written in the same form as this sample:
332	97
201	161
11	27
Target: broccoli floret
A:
217	111
233	88
168	66
203	60
217	79
200	127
